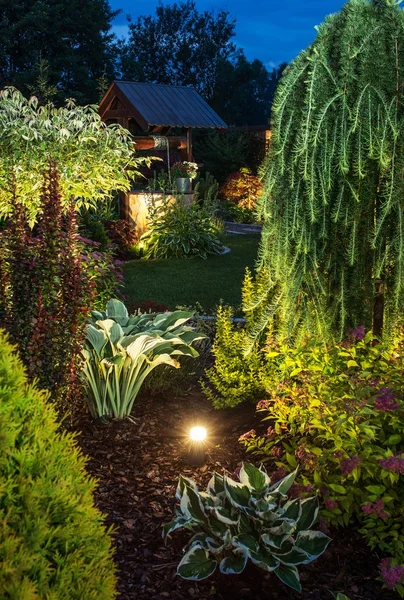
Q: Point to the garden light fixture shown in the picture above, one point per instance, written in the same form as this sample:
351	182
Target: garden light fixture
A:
196	455
197	434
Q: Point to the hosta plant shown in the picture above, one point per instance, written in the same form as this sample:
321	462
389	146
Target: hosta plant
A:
247	520
120	351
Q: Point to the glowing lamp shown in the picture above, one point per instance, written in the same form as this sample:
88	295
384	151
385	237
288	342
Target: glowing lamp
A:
197	436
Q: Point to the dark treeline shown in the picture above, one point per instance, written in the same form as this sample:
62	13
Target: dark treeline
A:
58	49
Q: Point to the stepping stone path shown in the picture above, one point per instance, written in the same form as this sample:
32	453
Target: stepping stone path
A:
242	228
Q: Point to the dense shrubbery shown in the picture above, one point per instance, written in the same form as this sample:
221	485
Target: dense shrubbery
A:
337	413
181	231
250	519
50	279
53	543
224	153
123	236
243	188
47	292
94	159
236	376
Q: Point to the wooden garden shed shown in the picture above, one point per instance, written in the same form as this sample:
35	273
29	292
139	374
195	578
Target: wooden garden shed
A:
161	119
153	112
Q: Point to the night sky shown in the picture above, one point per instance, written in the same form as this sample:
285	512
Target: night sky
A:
271	30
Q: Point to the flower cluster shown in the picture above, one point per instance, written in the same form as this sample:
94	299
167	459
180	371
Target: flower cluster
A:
393	463
185	169
385	400
392	575
330	504
262	404
270	433
276	452
305	457
358	333
377	508
349	464
247	435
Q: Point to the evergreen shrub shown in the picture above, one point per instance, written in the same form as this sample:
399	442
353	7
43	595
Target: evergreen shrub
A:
53	541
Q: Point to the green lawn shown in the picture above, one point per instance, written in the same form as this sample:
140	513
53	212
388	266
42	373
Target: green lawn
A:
184	282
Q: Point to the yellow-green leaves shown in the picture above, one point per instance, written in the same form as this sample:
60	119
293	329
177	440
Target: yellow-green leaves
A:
93	160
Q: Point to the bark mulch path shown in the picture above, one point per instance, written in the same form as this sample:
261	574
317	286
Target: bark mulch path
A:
138	466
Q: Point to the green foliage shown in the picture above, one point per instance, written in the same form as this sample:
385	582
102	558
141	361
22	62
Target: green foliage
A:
236	376
178	230
207	188
93	160
48	288
102	270
334	191
53	542
338	414
224	153
120	351
250	519
195	42
237	214
57	50
94	229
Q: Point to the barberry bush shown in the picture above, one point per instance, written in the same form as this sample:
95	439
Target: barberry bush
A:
49	284
337	413
53	542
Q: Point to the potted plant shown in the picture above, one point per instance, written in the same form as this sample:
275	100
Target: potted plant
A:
184	172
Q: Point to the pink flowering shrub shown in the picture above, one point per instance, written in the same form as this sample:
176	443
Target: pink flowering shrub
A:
338	414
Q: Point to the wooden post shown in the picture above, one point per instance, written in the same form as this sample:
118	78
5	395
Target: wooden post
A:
378	308
189	144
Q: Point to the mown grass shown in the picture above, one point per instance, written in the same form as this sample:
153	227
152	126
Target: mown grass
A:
186	282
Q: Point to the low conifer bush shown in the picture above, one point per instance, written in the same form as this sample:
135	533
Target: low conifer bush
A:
53	542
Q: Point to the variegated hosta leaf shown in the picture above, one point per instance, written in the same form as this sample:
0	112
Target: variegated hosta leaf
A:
264	560
177	523
216	484
246	542
283	486
313	543
295	556
233	564
113	330
117	310
245	520
196	564
254	478
290	576
293	510
237	493
184	482
309	513
224	515
274	542
96	339
191	505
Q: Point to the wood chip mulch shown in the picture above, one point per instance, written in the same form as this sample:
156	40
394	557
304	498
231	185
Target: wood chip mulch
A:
138	464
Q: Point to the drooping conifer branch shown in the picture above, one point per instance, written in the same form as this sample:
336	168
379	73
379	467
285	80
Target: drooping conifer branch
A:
334	179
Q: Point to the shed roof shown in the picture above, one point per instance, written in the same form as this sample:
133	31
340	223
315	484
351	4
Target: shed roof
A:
163	105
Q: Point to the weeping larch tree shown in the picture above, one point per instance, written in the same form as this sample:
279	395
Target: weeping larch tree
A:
332	249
